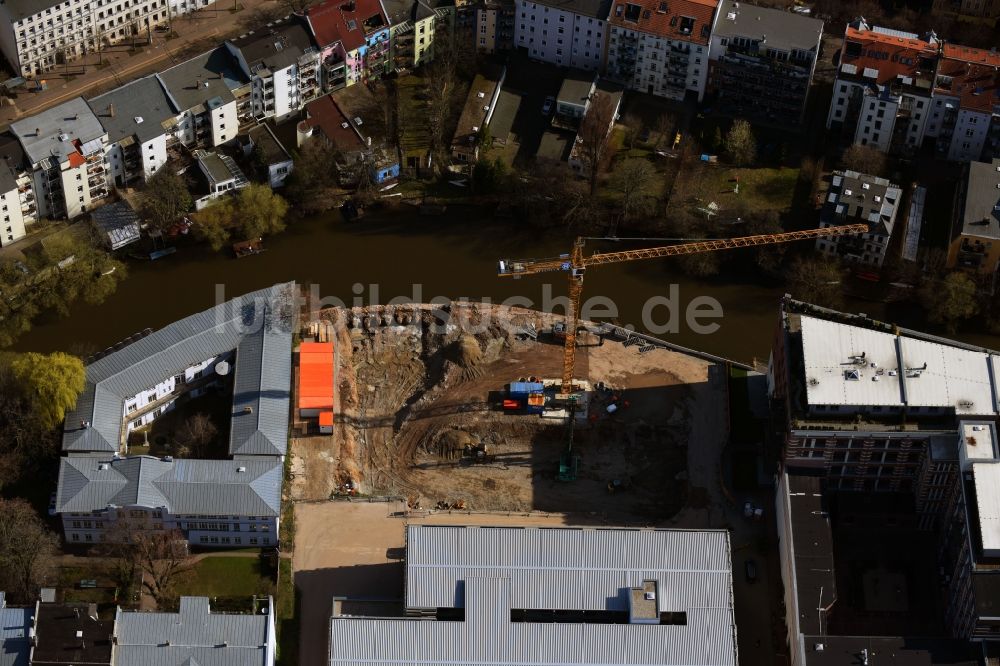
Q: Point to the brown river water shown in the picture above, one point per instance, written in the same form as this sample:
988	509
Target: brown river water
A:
396	254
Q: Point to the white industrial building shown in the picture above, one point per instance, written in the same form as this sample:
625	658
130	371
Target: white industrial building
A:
536	595
571	33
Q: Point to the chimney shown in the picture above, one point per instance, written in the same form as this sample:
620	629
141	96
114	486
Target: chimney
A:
111	109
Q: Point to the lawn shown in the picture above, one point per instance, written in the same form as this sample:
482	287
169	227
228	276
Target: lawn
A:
287	612
226	577
760	189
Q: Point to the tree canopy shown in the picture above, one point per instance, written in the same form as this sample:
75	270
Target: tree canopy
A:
166	200
633	180
951	300
257	211
741	144
865	159
27	551
50	384
817	280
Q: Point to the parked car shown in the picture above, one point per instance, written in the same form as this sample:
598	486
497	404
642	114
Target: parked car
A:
750	569
547	107
52	504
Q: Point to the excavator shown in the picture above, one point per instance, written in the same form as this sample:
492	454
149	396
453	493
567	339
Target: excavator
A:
575	265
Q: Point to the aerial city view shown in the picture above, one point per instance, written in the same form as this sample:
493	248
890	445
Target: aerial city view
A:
517	332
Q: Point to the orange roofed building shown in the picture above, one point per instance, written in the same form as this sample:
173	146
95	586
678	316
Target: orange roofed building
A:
661	47
966	118
316	377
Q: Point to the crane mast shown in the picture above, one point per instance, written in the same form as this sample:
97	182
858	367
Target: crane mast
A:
575	264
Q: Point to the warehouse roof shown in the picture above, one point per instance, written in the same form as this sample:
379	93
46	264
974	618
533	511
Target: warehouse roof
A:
244	487
194	635
58	132
509	579
257	325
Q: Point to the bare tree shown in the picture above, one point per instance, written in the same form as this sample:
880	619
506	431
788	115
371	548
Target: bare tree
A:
664	126
194	435
27	550
865	159
633	180
595	135
633	128
157	556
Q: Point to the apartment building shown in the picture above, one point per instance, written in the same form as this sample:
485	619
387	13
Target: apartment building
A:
65	150
661	47
414	27
975	225
37	35
204	90
72	633
281	62
762	62
494	26
965	120
135	116
353	38
244	343
570	33
859	198
17	197
544	595
882	93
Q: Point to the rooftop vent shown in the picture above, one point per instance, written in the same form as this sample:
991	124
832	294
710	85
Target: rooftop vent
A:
486	108
357	120
138	120
481	95
79	634
241	469
103	466
866	186
63	136
248	410
820	647
345	125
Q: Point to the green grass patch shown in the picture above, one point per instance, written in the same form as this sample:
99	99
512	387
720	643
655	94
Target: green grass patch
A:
760	189
226	577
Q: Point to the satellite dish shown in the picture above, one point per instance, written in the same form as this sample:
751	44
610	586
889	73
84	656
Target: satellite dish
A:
222	368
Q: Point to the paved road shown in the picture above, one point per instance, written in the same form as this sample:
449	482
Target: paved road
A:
197	32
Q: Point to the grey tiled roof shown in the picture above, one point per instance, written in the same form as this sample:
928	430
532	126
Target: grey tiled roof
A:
258	325
194	635
53	132
120	109
183	487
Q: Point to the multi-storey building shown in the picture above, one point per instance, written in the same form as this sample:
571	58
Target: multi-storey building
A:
661	47
528	595
281	62
232	502
762	62
203	91
571	33
353	38
975	225
494	26
882	92
859	198
134	116
65	148
36	35
414	27
966	112
17	196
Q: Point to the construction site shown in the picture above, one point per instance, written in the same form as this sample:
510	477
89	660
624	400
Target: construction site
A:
445	417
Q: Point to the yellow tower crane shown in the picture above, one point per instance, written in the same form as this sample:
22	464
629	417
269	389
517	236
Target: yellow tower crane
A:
575	264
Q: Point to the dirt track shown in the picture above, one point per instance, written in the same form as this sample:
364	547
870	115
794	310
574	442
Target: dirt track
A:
411	397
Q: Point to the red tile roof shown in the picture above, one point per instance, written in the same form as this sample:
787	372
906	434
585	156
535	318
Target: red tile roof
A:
666	18
324	114
891	55
332	20
974	77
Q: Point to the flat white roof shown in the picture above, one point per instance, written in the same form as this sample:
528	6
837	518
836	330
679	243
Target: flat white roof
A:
976	443
852	365
838	363
953	377
987	480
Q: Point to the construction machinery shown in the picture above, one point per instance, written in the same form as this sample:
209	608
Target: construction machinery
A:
575	264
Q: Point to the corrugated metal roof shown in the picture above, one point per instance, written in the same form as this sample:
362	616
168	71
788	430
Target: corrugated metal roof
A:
490	571
183	487
193	635
258	325
14	625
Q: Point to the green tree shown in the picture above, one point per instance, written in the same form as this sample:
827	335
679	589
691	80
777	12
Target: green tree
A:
49	383
816	279
27	550
740	143
166	199
213	224
951	300
260	212
633	180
